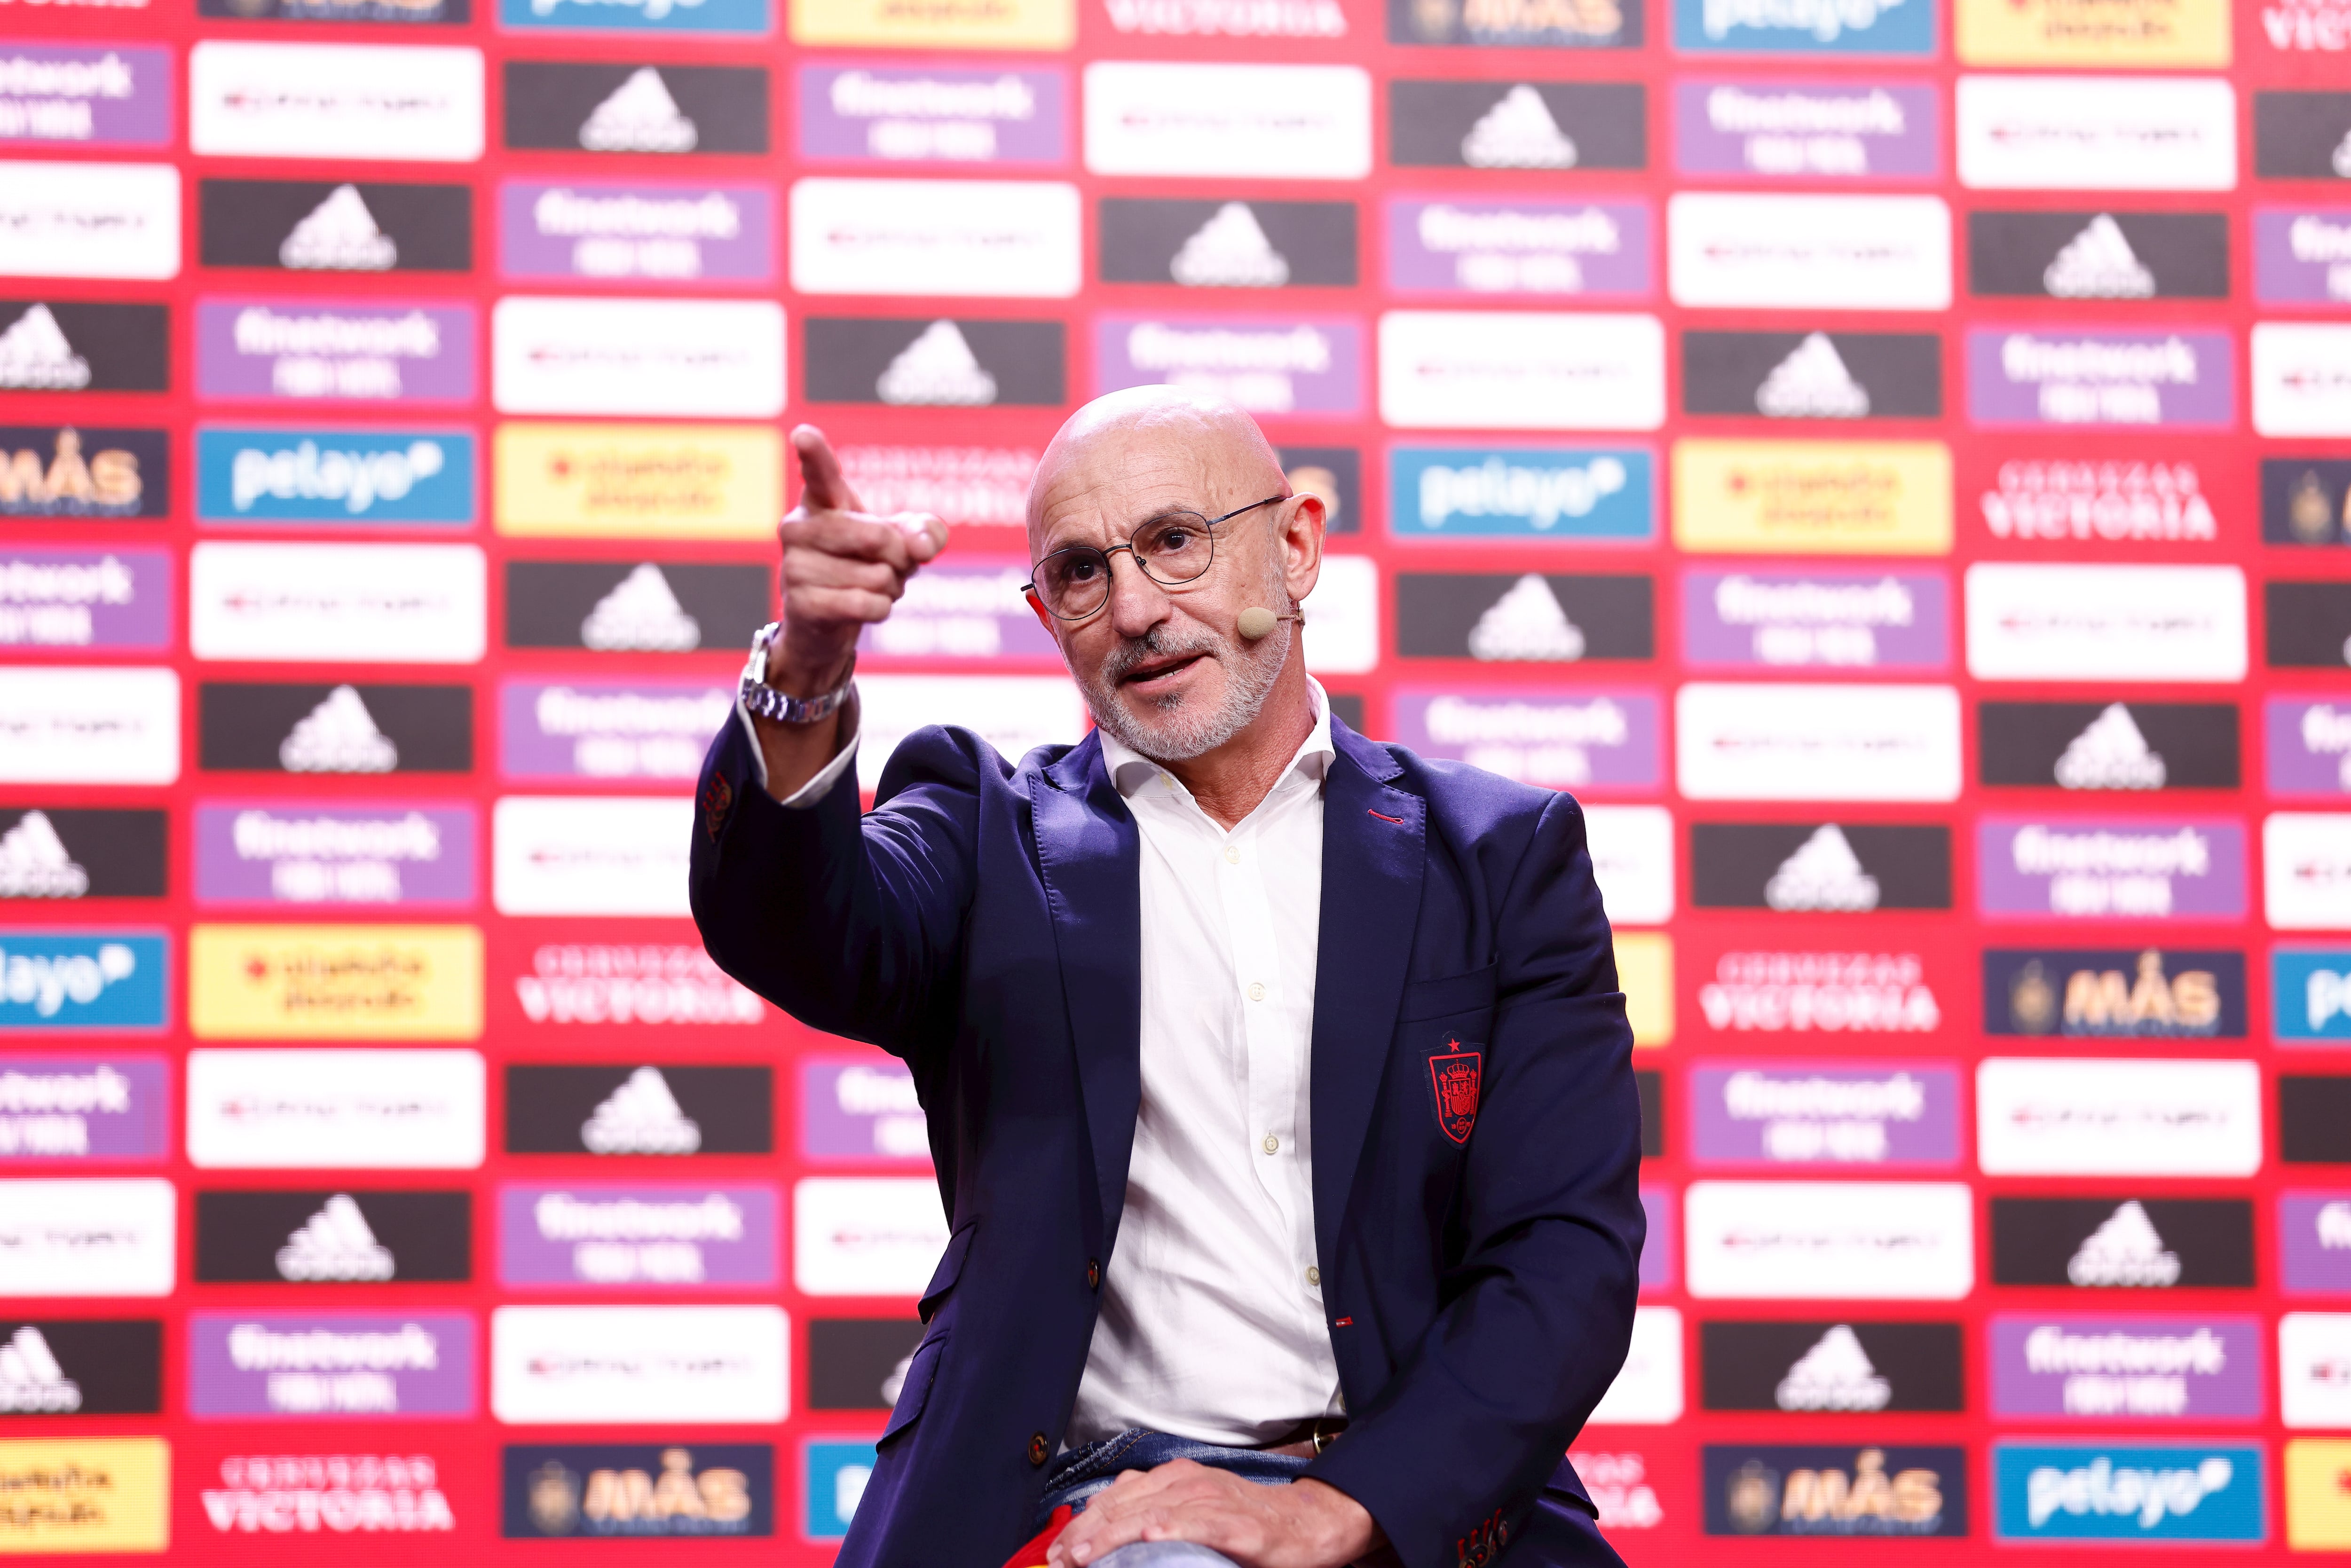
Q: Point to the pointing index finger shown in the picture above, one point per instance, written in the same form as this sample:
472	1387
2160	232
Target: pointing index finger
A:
823	487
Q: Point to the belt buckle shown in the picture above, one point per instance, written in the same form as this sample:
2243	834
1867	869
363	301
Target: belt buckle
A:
1322	1439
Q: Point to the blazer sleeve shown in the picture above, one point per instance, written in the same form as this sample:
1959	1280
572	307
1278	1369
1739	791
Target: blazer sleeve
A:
851	923
1537	1314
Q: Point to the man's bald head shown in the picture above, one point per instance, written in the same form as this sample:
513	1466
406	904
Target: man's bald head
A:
1186	438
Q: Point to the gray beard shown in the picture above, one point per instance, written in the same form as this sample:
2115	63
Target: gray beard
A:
1183	727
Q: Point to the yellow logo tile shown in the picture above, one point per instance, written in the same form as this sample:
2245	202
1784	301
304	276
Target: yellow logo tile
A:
2318	1494
1813	497
647	481
938	24
1645	968
2106	34
335	982
91	1494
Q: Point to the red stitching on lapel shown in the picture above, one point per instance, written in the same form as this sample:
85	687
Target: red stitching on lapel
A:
1384	817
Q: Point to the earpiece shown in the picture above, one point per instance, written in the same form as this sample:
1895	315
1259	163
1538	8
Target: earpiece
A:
1256	621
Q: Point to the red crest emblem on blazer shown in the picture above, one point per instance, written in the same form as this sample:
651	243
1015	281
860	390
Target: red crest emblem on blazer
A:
1455	1076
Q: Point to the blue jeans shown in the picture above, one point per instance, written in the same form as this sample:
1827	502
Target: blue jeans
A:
1082	1472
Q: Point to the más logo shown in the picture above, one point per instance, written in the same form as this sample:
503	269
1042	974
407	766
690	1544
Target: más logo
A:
1566	494
938	362
1750	741
2098	255
1830	993
922	114
1465	369
329	1494
562	1366
630	1491
601	1234
1008	238
2314	1243
2127	1368
971	611
52	980
1782	1240
1540	618
1526	125
1558	740
311	350
609	106
367	478
63	726
85	599
1854	1112
2305	501
335	982
1516	24
720	358
318	225
1283	365
2115	746
608	729
2311	988
62	471
865	1236
377	1109
862	1110
2111	1491
315	727
1228	244
2111	1116
84	346
1820	868
2301	135
2121	993
2018	378
380	101
621	1110
2123	1243
673	233
648	607
1807	129
1596	250
2301	379
87	1238
2136	870
326	1236
320	1365
1815	253
2096	133
1836	1491
1784	620
591	854
296	852
2302	255
89	220
65	1366
2106	623
75	95
1249	122
82	1107
1831	1367
1818	497
1813	375
2306	871
2114	502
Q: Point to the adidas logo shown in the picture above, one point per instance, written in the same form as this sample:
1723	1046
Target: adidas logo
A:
2111	754
895	1382
1230	251
335	1244
640	117
35	357
1834	1374
2098	264
937	369
338	236
1812	383
641	615
31	1380
1518	133
34	863
2125	1251
1526	622
2342	159
339	736
641	1117
1822	874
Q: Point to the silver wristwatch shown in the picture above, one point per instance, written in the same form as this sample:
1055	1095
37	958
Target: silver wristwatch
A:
769	703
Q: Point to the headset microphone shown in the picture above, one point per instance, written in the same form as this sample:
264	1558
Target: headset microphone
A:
1256	622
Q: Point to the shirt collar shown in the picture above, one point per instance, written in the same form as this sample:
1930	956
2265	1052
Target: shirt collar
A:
1131	770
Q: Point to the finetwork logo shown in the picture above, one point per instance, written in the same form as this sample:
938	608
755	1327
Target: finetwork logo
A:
1856	1112
336	1243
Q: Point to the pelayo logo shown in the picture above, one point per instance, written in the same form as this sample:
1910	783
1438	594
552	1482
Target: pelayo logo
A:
1522	492
2114	1491
2310	987
66	980
246	474
751	16
1805	28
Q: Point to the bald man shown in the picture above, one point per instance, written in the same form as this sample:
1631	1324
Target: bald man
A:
1278	1082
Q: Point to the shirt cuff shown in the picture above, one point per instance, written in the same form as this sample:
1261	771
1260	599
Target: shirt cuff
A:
816	788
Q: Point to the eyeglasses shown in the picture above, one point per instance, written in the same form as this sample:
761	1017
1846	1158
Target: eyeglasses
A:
1172	548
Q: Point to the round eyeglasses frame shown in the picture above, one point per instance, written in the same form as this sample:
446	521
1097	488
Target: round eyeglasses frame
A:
1208	525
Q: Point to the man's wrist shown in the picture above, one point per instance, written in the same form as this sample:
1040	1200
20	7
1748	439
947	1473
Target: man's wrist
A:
803	678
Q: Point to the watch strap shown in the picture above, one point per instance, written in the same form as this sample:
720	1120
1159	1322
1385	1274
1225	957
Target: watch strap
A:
764	700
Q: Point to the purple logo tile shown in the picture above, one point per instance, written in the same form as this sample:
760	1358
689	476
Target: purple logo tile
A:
82	1107
2308	743
1882	1114
1817	619
1469	245
334	350
1659	1252
1266	364
2302	255
1808	131
1560	739
645	1236
668	233
2133	1368
2067	376
321	1366
862	1110
608	729
300	852
2138	869
67	599
928	114
2314	1243
970	610
84	95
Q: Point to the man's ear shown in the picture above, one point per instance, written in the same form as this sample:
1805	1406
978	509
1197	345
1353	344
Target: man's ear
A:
1299	538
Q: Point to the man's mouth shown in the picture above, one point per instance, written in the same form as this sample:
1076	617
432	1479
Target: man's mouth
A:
1160	669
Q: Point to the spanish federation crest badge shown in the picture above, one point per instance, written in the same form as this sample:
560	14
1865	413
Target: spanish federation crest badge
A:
1455	1076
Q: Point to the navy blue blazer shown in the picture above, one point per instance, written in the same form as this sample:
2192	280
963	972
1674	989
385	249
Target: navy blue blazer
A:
1476	1134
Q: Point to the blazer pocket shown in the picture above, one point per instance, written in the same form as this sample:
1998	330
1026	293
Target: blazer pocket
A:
1470	992
943	1277
921	1369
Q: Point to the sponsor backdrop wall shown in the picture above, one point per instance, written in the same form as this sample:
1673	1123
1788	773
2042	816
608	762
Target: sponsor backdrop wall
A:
1891	458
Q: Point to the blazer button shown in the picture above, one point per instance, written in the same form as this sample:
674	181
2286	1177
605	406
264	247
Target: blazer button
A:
1036	1448
1093	1275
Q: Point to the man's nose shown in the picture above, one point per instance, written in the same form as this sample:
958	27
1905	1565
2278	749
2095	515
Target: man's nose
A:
1136	602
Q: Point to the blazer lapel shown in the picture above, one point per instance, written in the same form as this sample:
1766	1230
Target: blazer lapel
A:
1089	854
1373	855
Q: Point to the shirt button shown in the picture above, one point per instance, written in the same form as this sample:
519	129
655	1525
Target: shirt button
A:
1272	1144
1232	854
1093	1275
1256	990
1314	1276
1036	1448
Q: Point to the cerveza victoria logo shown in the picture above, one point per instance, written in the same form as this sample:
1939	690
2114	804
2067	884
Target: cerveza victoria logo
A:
1538	618
1813	375
328	351
57	1107
2129	746
1265	365
257	1494
80	1367
1785	1489
75	95
67	853
631	1490
1522	492
1598	250
1829	993
68	471
2123	1243
2140	868
2126	1368
84	346
333	1237
1516	24
650	607
317	727
1560	739
2098	255
320	1365
897	114
2109	502
594	1234
2118	993
83	598
614	108
675	233
910	362
53	981
2182	1493
246	475
317	226
2022	377
668	1110
1834	620
1854	1112
1517	125
1820	868
1807	129
1807	1367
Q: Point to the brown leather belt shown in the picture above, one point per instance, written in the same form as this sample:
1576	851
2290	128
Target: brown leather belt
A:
1307	1439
